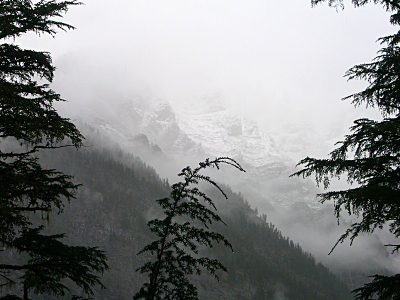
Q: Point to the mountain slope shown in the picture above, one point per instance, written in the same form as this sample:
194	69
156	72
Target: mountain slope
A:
169	138
118	198
200	129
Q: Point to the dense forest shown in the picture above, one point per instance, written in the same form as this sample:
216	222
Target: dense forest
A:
117	198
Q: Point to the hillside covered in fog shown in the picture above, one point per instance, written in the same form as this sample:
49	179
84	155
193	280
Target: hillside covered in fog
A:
118	198
168	137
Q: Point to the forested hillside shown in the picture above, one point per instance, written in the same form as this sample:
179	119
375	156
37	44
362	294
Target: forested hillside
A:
117	198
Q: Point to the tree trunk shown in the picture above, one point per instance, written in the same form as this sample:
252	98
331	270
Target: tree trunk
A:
25	292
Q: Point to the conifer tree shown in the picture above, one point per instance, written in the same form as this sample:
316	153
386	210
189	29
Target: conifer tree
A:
370	155
180	233
29	123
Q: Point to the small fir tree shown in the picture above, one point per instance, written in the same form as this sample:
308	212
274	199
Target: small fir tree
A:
188	213
28	123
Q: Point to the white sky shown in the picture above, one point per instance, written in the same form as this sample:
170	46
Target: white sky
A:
276	61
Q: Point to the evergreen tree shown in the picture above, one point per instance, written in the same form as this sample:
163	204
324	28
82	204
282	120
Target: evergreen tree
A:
370	155
183	230
28	123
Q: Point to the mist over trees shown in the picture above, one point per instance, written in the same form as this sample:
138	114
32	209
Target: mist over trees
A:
369	155
116	202
29	123
110	211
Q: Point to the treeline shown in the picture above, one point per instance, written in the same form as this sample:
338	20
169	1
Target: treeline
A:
118	198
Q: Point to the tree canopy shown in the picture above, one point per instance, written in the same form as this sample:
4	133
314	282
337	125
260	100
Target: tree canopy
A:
370	155
28	123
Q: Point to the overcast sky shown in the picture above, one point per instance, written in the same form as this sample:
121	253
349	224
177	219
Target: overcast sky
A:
276	61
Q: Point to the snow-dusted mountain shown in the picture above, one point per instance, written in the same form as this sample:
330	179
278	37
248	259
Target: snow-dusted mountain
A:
199	129
169	138
221	132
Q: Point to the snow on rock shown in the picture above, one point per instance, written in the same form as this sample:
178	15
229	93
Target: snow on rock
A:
203	128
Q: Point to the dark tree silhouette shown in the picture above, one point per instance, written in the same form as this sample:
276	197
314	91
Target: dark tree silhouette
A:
28	123
370	155
183	230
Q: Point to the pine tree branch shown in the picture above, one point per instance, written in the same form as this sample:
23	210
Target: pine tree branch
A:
20	17
173	263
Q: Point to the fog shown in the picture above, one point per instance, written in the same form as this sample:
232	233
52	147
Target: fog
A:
317	233
280	63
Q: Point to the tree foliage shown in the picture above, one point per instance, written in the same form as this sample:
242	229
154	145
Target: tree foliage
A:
183	230
28	123
370	155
